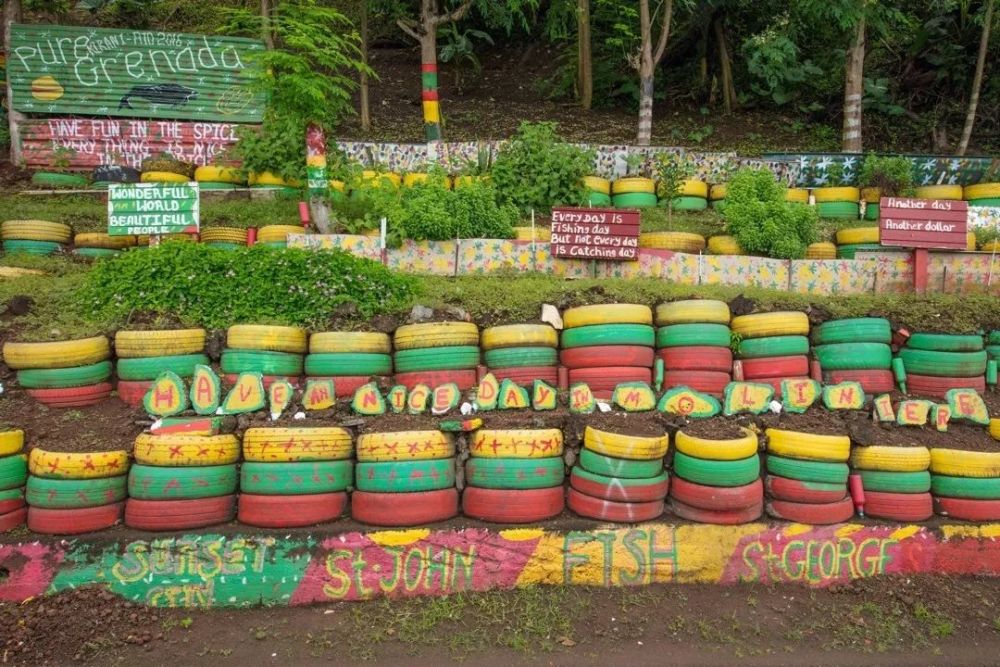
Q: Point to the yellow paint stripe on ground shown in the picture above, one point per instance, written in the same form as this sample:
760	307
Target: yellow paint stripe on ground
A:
848	529
399	538
905	532
956	531
796	529
522	534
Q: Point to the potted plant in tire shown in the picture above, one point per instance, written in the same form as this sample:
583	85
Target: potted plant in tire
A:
60	175
635	190
884	177
837	199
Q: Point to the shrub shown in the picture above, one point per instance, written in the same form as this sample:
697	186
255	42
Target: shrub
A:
893	176
762	221
432	212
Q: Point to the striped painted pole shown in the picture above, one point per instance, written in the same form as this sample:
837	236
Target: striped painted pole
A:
429	95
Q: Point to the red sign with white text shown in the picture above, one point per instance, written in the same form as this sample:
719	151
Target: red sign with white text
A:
923	223
595	233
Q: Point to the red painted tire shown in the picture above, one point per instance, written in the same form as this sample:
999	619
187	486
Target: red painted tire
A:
229	379
179	514
290	511
718	498
603	380
12	505
937	387
709	382
526	375
718	517
464	379
12	520
697	358
76	397
776	383
512	506
873	382
775	367
73	521
814	513
404	509
795	491
899	506
344	386
609	510
131	392
620	490
967	509
597	356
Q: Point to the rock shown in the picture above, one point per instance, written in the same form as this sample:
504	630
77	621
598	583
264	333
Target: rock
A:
458	313
421	314
20	305
550	314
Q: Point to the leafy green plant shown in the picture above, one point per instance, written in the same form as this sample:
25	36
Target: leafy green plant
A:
459	49
672	169
762	221
433	212
835	175
893	176
634	164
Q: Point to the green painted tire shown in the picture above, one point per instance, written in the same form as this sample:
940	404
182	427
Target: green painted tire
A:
635	200
717	473
274	244
849	251
597	199
96	253
978	488
149	368
854	330
944	364
839	209
294	479
772	346
64	378
871	212
993	351
853	356
986	201
11	494
347	363
993	338
896	482
209	186
59	180
181	483
14	247
609	334
13	471
259	361
448	358
405	476
609	466
685	335
945	342
513	357
808	471
74	493
689	204
101	185
223	245
505	473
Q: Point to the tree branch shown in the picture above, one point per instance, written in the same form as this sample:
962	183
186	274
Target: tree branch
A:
456	14
661	45
409	27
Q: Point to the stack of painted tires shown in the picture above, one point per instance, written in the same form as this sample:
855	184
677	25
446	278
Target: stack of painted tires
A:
676	241
607	345
436	353
349	358
935	363
619	477
966	485
856	350
693	196
514	476
982	194
838	202
717	480
143	355
797	196
522	353
896	482
773	347
405	478
598	191
72	493
717	197
693	342
634	192
724	245
294	476
276	352
852	240
34	237
66	374
821	250
214	177
871	197
227	238
13	475
277	235
97	245
807	477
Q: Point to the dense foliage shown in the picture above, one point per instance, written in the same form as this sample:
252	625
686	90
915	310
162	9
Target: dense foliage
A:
893	176
762	221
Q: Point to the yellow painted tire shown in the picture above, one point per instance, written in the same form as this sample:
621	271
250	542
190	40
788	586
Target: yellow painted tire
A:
405	446
940	192
836	194
224	235
676	241
163	177
717	192
11	272
339	186
288	445
268	179
891	459
62	354
133	344
982	191
210	174
519	335
620	446
527	234
597	184
724	245
808	446
821	250
970	241
99	240
35	230
693	188
517	443
277	233
411	179
186	450
692	311
435	334
609	313
992	246
797	195
995	428
957	463
265	337
380	177
368	342
761	325
633	184
11	442
854	235
871	195
77	465
717	450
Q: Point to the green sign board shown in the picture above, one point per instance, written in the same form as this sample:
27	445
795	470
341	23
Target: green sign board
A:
95	71
152	208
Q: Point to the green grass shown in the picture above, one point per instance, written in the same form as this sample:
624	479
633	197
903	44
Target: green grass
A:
707	223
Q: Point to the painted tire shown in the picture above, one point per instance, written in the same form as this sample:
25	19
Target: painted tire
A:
797	195
822	250
263	362
11	499
132	393
606	355
344	386
405	476
63	378
724	245
512	506
74	493
981	191
163	177
517	443
807	471
63	465
519	336
770	367
851	251
218	175
292	445
943	364
974	488
945	342
277	233
186	450
602	381
609	334
761	325
993	202
716	450
839	210
798	491
365	342
13	471
845	194
808	446
72	397
101	241
404	509
966	509
688	335
621	446
36	230
692	311
853	356
898	506
812	513
609	313
229	235
179	514
719	517
609	510
229	379
160	483
149	368
64	354
697	358
858	235
610	466
294	479
676	241
958	463
74	521
290	511
953	192
436	334
597	184
11	442
347	363
526	375
774	346
717	192
635	200
620	489
873	382
460	357
130	344
891	459
715	498
937	387
405	446
264	337
716	473
95	253
872	211
509	473
632	184
896	482
465	379
511	357
14	247
14	519
709	382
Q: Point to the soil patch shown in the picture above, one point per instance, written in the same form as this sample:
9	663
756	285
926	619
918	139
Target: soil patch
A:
966	437
646	424
393	423
816	420
715	429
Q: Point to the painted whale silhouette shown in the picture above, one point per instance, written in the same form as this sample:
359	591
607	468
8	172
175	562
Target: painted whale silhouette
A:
171	94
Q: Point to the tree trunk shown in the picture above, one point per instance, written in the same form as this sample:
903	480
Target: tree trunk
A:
265	24
12	15
725	67
853	89
977	81
648	59
366	112
585	66
429	77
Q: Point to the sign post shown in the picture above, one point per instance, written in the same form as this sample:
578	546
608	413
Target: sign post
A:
922	224
595	233
153	209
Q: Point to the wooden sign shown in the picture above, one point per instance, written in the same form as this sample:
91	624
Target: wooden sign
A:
152	208
595	233
923	223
